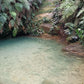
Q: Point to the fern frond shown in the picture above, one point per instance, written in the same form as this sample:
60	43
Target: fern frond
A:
80	12
68	7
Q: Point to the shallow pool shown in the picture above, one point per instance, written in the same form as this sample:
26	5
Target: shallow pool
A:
26	60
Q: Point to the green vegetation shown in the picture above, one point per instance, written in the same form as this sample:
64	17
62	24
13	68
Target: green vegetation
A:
16	17
70	13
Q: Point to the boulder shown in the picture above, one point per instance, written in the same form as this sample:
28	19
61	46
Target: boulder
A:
46	27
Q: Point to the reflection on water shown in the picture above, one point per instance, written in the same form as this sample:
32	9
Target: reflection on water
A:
36	61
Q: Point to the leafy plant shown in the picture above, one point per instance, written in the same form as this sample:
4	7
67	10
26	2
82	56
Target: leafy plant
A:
70	25
12	22
17	15
13	14
81	23
80	12
19	7
46	20
15	30
68	7
80	33
80	30
3	18
36	5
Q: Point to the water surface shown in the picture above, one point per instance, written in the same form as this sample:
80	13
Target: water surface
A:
36	61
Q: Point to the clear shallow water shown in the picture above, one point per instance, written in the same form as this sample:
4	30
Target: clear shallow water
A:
36	61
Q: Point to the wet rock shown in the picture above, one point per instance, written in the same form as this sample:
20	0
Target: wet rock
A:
72	39
75	49
46	27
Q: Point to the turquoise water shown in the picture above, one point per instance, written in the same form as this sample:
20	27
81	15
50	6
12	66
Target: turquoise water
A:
36	61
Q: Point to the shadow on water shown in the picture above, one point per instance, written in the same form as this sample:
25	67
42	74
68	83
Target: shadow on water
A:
36	61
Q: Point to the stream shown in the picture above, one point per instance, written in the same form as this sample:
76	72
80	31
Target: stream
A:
28	60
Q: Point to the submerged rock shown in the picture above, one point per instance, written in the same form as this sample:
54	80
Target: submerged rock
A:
47	82
75	49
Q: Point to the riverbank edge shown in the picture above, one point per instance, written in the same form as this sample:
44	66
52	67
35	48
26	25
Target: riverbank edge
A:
75	49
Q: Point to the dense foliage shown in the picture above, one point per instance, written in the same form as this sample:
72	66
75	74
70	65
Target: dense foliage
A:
70	13
16	17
